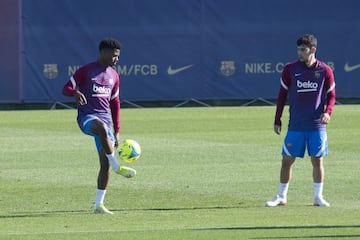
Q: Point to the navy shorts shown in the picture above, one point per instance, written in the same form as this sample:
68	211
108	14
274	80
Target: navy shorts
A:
296	142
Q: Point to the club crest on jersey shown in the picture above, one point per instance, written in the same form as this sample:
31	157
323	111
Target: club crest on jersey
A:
103	80
227	68
50	71
317	74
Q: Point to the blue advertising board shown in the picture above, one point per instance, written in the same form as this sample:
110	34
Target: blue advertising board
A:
186	49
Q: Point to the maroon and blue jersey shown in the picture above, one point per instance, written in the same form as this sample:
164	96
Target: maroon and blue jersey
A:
310	91
100	85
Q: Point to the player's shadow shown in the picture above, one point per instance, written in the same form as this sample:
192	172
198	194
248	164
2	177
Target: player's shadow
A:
60	212
256	228
314	236
281	227
179	208
43	214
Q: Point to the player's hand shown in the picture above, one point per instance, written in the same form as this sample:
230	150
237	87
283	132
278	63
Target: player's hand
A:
325	118
277	129
80	98
117	140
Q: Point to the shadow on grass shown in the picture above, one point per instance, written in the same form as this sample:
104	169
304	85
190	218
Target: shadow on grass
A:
232	228
314	236
278	227
60	212
43	214
256	228
181	208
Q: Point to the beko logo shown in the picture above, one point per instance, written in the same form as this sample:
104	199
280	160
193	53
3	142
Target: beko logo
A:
306	86
101	90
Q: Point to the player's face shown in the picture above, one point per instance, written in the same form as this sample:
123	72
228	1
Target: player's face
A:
305	53
110	56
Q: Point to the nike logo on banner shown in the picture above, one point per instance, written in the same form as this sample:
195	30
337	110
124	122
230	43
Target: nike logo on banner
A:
173	71
348	68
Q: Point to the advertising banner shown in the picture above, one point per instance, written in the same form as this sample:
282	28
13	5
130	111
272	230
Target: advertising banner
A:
186	49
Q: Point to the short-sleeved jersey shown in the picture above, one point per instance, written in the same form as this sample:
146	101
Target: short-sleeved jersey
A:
307	89
99	84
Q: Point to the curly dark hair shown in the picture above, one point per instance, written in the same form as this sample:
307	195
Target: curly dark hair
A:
109	43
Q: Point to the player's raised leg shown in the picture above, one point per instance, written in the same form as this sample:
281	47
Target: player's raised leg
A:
106	138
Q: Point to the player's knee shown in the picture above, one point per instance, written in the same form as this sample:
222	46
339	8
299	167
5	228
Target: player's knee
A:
287	162
99	127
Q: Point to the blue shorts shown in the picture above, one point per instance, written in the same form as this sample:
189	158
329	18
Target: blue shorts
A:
84	123
295	143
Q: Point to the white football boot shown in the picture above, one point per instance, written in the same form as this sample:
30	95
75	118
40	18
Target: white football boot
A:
320	202
277	201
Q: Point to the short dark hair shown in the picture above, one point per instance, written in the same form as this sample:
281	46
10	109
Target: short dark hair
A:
308	40
109	43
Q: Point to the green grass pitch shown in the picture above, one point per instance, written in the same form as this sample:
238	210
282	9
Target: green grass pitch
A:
205	173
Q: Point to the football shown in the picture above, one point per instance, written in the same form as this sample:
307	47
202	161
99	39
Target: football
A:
129	151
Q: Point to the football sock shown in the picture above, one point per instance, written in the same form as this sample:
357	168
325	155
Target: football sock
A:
318	190
114	163
283	189
100	195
